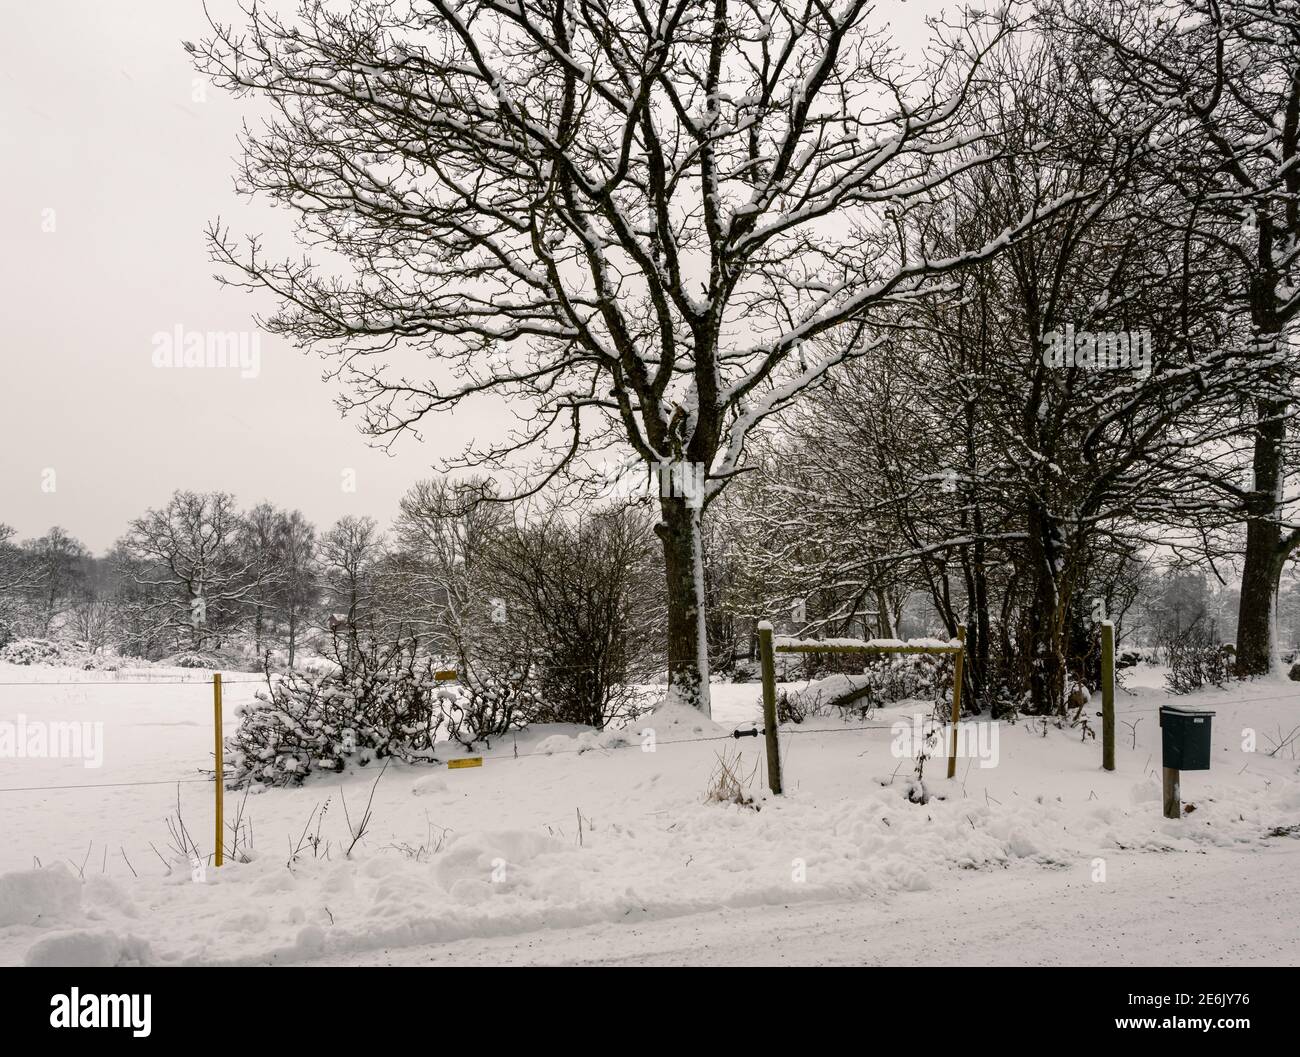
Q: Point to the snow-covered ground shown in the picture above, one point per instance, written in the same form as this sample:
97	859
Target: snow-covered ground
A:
1042	857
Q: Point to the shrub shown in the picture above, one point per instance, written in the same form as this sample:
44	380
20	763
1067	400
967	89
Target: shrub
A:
483	707
895	677
32	651
1196	661
309	722
794	706
885	679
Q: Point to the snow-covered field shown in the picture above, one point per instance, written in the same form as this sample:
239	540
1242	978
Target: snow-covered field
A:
1042	858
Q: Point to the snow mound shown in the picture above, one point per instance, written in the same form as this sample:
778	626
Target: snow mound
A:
35	897
91	949
476	864
587	741
429	785
670	721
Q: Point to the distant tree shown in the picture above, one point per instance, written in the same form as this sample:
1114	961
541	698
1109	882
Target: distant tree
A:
18	578
298	587
1182	602
348	558
261	540
94	621
441	542
59	562
199	583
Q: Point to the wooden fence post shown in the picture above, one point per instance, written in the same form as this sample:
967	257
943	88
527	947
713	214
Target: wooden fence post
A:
1173	795
1107	695
220	772
767	657
957	670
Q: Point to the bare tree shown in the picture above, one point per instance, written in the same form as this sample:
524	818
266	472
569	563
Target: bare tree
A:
1013	486
348	556
1224	78
442	541
577	582
298	587
261	537
199	582
634	222
18	578
59	563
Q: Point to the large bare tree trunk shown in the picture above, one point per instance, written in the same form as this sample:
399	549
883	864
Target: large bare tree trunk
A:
688	654
1266	549
1043	646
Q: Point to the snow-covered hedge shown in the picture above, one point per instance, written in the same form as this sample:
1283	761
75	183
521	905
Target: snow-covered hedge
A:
320	721
307	723
58	654
32	651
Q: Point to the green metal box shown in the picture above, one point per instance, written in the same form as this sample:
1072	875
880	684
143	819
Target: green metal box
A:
1185	738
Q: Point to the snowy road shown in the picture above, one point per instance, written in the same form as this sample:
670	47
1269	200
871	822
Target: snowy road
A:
1218	908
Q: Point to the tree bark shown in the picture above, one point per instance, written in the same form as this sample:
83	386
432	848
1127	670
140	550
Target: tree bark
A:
1043	648
1265	549
688	656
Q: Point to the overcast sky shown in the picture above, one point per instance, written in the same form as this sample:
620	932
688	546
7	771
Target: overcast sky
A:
114	161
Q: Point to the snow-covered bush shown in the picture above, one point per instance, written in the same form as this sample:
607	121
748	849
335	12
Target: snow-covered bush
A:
94	662
32	651
485	707
310	722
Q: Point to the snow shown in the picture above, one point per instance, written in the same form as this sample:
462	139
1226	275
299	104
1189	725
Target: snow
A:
565	831
1156	911
97	949
36	897
791	642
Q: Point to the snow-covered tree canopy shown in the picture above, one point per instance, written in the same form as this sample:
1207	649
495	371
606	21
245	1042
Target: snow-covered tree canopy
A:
638	216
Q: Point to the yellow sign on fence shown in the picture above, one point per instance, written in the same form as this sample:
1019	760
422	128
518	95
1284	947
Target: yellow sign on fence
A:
468	761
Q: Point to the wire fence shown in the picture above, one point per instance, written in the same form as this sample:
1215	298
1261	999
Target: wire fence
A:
515	754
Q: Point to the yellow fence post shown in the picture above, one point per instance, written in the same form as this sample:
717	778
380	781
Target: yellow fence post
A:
956	699
220	768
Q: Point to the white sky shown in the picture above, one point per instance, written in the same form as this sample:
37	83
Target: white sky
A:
99	123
